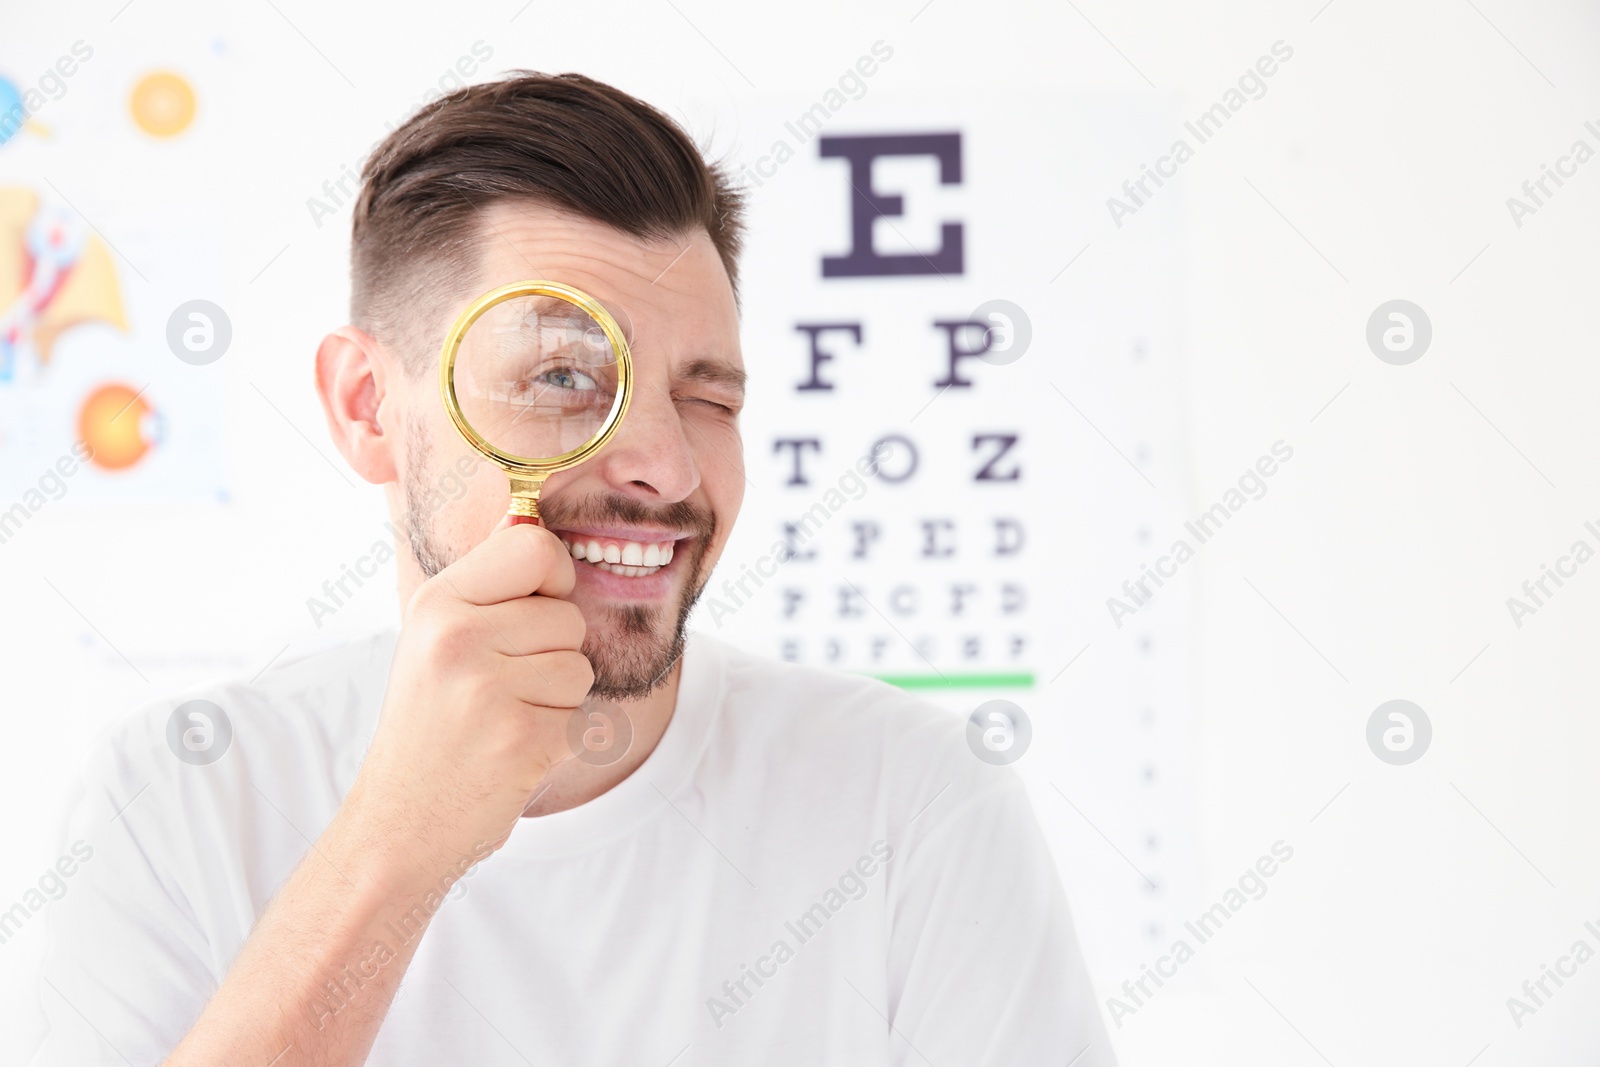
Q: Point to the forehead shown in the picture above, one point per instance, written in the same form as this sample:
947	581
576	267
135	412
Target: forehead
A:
669	294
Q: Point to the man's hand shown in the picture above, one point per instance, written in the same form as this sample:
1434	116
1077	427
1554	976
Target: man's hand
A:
485	674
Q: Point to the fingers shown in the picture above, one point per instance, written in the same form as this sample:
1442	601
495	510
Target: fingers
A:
560	679
527	625
516	560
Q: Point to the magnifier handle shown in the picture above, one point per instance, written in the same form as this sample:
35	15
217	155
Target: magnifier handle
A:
525	493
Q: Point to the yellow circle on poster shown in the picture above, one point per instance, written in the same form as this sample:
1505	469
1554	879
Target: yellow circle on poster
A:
163	104
114	423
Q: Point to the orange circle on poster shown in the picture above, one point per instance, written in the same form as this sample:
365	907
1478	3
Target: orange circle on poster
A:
163	104
112	423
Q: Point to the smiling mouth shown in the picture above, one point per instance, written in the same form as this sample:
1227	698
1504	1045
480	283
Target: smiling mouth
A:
630	559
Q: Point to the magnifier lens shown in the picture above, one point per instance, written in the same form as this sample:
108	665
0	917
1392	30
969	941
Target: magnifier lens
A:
537	377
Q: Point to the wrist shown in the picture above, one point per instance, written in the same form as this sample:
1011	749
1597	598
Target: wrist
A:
379	850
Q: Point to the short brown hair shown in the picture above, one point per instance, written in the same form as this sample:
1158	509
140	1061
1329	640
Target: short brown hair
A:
564	140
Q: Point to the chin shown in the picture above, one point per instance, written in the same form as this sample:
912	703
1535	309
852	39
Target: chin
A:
632	648
636	621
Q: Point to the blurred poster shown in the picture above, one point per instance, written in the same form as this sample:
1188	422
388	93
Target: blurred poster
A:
110	245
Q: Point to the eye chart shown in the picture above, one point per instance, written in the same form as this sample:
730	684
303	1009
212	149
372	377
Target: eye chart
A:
965	435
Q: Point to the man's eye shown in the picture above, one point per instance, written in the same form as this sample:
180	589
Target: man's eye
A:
567	378
554	380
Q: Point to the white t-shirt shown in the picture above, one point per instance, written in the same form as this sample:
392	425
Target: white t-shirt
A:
810	868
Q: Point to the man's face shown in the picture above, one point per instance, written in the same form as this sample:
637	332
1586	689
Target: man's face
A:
670	481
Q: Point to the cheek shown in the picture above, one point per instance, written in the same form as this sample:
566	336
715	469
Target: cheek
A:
461	523
487	497
718	447
463	494
719	453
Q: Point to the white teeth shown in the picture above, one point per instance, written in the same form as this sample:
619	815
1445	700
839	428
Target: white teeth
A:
625	571
630	558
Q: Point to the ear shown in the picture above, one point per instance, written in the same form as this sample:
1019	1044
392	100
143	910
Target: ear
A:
353	371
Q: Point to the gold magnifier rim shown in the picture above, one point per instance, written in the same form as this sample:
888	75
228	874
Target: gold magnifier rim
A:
537	467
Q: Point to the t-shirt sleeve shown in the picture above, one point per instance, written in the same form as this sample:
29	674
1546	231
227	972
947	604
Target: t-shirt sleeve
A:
984	964
123	969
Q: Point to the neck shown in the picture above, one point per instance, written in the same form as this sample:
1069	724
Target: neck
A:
575	781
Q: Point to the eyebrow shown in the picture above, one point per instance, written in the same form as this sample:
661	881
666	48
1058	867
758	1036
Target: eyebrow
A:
713	372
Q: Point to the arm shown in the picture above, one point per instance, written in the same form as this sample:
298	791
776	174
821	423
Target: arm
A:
483	679
315	979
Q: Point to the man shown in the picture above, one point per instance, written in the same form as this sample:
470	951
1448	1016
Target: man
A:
398	860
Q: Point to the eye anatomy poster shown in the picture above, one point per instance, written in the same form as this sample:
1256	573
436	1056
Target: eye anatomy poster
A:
964	442
110	269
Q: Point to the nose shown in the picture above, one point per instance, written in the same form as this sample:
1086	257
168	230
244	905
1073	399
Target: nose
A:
650	458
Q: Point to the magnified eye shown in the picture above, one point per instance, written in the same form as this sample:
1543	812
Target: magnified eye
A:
567	378
561	384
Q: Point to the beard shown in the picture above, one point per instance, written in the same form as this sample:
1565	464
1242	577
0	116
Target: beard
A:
631	647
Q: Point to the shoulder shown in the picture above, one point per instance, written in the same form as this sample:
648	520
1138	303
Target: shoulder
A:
198	805
306	719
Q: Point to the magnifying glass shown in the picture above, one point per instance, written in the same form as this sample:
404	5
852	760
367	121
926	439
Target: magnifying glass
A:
536	376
